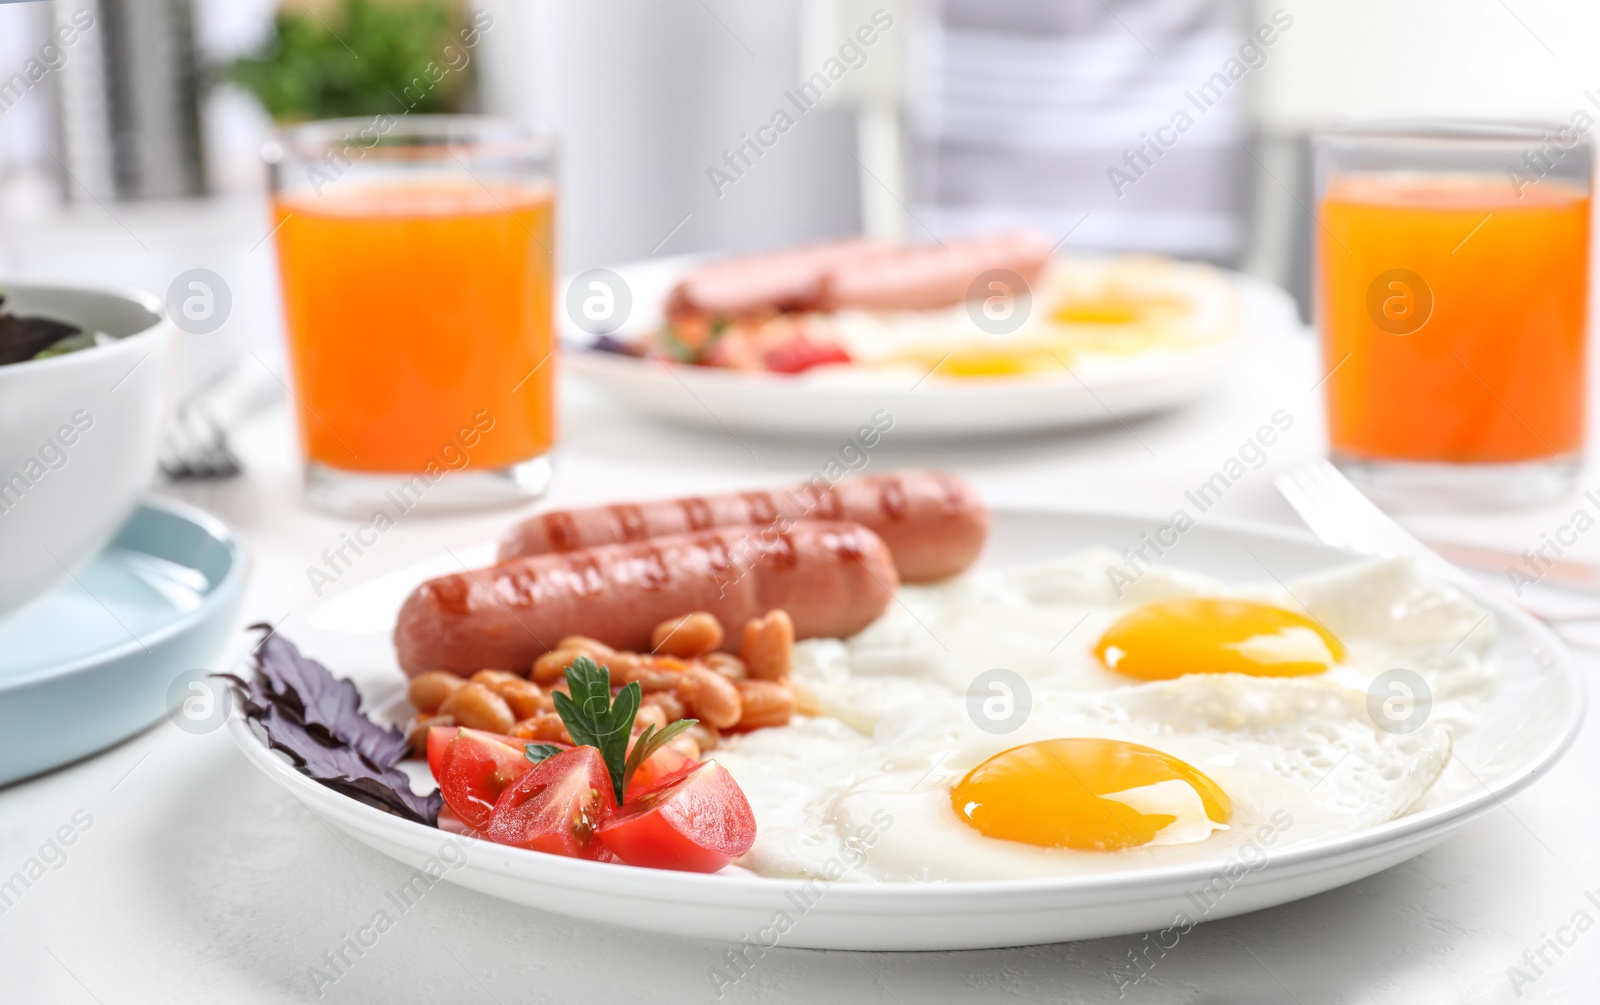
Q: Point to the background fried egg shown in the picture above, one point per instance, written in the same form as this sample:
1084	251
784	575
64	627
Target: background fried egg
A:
1082	312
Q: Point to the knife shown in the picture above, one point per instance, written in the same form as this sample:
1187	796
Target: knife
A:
1581	576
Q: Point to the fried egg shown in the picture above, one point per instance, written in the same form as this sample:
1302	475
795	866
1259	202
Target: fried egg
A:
1156	774
1183	720
1062	626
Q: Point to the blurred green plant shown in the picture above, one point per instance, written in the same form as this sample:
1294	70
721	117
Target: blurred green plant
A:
357	59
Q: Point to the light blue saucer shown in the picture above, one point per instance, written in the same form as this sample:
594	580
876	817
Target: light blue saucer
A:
92	663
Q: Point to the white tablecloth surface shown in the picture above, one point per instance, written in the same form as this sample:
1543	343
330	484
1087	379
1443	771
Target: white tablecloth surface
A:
200	880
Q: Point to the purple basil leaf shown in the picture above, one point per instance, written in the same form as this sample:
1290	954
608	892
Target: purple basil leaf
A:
338	766
326	705
392	798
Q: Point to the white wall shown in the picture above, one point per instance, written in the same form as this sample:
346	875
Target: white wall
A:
1348	61
1356	59
646	95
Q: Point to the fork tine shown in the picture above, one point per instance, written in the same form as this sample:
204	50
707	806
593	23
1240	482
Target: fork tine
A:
1315	483
1355	512
1387	536
1341	515
1309	504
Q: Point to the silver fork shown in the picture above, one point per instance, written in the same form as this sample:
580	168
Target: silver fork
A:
1340	515
197	442
196	447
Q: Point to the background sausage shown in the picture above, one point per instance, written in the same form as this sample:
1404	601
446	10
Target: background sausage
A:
928	277
854	273
833	578
790	279
933	522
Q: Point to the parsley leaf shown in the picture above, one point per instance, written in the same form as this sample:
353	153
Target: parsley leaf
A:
536	752
593	720
650	741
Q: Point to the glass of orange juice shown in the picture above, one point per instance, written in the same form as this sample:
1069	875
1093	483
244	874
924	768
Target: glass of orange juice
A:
1452	300
415	257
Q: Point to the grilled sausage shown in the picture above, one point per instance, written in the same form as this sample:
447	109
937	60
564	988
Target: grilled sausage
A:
833	578
933	522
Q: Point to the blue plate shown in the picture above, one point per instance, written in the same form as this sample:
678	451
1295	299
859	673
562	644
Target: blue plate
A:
94	661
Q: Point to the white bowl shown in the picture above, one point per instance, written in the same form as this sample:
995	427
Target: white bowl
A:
78	433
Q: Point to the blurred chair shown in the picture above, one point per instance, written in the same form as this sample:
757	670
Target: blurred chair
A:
1043	113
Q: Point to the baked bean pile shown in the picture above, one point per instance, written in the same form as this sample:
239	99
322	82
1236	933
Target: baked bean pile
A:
684	676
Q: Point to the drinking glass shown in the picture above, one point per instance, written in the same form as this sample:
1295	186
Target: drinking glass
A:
1452	302
415	260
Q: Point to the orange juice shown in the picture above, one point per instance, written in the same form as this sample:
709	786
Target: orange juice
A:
417	313
1453	314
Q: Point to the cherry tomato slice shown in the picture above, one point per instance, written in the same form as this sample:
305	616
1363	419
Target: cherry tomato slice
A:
557	806
452	824
695	820
439	737
798	354
474	769
654	771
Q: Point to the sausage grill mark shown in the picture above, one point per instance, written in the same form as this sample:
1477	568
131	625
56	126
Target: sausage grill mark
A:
451	594
827	503
718	557
698	513
762	508
586	570
892	500
652	569
519	589
562	531
955	499
782	552
631	519
846	547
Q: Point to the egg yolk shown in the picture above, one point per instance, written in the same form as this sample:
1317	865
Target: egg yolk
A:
1170	638
1091	795
1098	312
989	362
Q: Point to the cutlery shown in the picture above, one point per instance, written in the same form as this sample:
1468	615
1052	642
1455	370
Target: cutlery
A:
1340	515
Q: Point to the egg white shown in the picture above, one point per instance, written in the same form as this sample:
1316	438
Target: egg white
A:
1300	757
1297	757
1182	306
1042	622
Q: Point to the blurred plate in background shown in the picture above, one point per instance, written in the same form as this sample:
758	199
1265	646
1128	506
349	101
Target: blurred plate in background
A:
807	404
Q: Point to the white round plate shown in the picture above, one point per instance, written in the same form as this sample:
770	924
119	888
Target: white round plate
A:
932	407
1533	716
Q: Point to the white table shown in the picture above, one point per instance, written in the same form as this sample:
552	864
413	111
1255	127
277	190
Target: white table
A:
200	880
